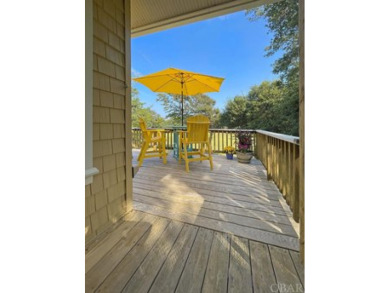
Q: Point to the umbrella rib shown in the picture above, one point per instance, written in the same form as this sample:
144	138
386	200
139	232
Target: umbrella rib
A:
173	79
204	84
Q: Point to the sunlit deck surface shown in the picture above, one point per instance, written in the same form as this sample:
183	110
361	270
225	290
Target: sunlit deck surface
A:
226	230
233	198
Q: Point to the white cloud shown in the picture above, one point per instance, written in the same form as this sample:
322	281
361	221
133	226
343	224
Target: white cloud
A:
135	72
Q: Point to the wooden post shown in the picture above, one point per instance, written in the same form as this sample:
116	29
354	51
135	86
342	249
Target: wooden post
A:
289	182
128	134
269	150
284	169
302	126
295	200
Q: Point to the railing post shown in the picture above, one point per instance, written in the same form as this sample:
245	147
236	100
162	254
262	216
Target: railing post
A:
295	199
268	157
289	172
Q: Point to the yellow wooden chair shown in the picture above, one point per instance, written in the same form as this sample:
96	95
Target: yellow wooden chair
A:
196	135
152	138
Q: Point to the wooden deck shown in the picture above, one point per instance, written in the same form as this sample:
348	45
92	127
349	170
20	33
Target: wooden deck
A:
148	253
233	198
226	230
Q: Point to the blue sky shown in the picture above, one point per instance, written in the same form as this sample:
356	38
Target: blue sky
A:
229	46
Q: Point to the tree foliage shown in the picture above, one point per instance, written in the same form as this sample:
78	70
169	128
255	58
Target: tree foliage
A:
282	22
193	105
139	110
235	114
272	106
268	106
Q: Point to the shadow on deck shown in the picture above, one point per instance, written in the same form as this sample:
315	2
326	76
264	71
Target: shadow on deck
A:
226	230
233	198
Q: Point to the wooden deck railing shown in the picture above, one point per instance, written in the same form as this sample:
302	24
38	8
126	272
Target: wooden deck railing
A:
219	138
137	138
280	155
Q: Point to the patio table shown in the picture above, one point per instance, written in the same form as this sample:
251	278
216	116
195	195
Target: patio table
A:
176	140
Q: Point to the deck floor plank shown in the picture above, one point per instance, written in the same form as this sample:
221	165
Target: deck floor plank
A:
263	276
147	271
168	277
243	178
192	277
122	273
175	185
232	195
238	207
277	239
216	278
240	278
165	255
259	190
96	253
182	207
286	274
262	223
206	194
98	273
298	266
222	230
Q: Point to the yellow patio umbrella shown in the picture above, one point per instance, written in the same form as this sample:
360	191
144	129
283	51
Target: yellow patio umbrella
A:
178	81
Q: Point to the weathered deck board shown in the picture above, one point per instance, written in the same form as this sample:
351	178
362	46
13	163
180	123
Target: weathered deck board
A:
263	276
286	274
208	195
216	278
106	244
98	273
118	277
163	255
234	186
243	178
264	222
239	268
226	230
192	277
233	198
298	266
146	272
227	227
209	204
169	275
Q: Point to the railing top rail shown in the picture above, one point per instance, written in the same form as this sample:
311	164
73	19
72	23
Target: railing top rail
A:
232	130
285	137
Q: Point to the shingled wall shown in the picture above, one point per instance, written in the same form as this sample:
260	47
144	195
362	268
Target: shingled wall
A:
105	197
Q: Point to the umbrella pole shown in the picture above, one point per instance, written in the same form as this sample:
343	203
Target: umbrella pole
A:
182	105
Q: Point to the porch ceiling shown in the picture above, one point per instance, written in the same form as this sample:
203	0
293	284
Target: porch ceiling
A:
148	16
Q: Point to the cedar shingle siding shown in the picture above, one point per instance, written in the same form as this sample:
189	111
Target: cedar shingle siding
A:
105	197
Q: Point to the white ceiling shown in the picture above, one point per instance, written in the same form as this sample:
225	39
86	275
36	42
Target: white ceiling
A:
149	16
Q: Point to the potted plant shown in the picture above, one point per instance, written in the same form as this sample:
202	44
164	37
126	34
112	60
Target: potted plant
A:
229	150
244	153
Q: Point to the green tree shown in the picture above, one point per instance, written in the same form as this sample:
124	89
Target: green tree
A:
264	101
268	106
139	110
235	114
193	105
282	22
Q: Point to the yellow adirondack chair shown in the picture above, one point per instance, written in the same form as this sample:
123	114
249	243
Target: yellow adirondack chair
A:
154	138
197	135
